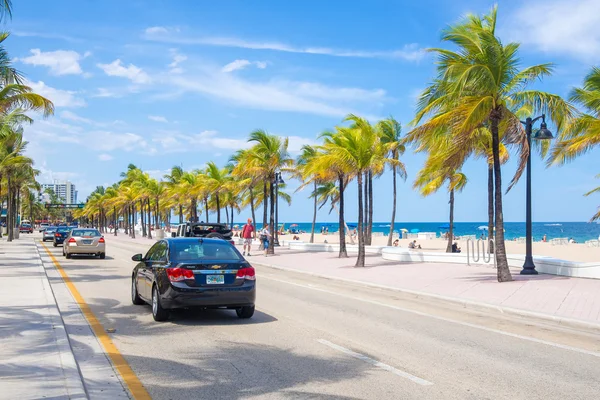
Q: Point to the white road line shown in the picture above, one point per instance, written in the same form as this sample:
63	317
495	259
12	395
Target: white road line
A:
376	363
423	314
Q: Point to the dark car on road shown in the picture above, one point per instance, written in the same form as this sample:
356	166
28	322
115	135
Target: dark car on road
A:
193	273
60	235
204	229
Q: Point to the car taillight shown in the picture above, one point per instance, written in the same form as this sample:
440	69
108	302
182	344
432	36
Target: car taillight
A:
232	242
179	274
101	240
72	240
247	273
57	234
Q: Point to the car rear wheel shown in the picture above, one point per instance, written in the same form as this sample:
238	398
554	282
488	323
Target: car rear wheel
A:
102	256
245	312
68	255
158	313
54	244
135	297
214	235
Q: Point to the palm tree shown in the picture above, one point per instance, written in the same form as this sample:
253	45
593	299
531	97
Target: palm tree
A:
216	183
307	153
480	85
173	179
268	155
389	131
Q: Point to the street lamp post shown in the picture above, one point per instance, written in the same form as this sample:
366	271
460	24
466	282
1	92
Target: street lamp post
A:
542	134
278	181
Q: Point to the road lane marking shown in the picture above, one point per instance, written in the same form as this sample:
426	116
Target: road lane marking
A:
134	385
423	314
376	363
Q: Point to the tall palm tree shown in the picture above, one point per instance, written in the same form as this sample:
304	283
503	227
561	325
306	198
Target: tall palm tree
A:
390	135
173	179
595	217
478	85
268	155
307	153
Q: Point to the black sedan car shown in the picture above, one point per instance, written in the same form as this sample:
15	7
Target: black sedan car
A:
60	235
193	273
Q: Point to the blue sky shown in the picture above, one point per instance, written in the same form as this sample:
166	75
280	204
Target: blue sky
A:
163	83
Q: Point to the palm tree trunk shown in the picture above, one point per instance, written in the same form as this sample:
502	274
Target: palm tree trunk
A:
252	208
265	204
314	221
343	252
360	261
9	207
1	204
365	215
180	214
134	220
227	214
501	260
231	217
149	224
370	218
271	249
218	210
490	205
116	220
206	207
143	218
391	235
157	215
451	225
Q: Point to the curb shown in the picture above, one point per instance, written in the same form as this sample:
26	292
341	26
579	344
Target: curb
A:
470	304
73	378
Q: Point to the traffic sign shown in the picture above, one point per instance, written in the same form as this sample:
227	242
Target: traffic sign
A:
57	205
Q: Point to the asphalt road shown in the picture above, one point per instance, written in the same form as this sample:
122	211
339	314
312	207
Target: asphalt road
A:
314	338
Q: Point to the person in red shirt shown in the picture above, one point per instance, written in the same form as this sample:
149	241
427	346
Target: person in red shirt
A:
248	234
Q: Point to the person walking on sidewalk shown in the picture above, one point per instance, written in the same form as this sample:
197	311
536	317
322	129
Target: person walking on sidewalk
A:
265	236
248	234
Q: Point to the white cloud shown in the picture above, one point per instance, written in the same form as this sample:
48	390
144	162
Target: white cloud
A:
60	62
157	118
154	30
241	64
280	95
105	157
177	59
410	52
558	26
74	117
60	98
131	72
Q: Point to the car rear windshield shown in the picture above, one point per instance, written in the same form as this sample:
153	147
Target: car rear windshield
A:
86	232
50	229
202	250
62	230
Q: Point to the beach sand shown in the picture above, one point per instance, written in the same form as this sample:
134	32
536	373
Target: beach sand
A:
573	252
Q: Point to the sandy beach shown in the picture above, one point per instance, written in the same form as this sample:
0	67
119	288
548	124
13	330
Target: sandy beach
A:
572	252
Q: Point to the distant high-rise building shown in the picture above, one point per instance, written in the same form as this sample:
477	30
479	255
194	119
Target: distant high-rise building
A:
65	191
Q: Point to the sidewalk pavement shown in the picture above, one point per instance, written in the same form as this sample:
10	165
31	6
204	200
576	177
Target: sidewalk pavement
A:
36	359
560	298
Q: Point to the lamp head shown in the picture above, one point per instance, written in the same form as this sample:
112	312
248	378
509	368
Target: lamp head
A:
543	133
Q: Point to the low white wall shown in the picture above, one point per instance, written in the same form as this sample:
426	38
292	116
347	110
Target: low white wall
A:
543	264
329	247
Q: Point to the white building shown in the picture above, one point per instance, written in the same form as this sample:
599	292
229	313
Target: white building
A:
64	190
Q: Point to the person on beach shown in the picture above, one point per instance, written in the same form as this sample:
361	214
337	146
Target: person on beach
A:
247	235
544	239
396	243
414	245
265	236
455	248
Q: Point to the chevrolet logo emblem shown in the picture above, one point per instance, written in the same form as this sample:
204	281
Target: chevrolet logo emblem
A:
215	267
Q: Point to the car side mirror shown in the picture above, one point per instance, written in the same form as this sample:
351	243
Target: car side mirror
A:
137	257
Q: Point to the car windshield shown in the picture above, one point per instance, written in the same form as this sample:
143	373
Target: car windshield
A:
86	232
203	250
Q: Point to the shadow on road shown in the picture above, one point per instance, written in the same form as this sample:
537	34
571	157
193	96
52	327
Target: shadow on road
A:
238	370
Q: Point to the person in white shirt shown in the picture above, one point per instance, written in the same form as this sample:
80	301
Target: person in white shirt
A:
265	236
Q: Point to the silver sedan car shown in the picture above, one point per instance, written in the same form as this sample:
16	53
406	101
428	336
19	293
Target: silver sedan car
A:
84	241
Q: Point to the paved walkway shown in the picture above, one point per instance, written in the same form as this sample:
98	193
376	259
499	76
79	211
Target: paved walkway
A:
36	360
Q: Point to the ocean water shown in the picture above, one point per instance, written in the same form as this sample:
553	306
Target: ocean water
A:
579	231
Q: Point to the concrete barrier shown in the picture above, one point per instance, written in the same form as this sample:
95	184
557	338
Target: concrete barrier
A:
330	247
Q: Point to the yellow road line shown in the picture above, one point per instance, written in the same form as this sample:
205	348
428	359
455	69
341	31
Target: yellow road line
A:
129	377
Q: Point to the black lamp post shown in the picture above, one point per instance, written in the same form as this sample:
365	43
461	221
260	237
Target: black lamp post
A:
542	134
278	181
